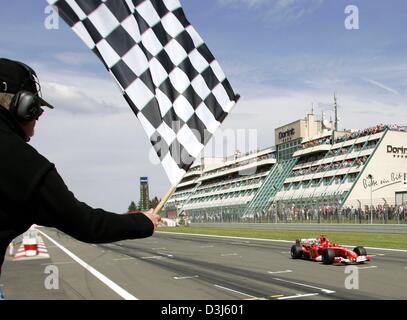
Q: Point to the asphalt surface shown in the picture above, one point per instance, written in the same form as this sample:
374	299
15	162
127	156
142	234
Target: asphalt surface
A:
187	267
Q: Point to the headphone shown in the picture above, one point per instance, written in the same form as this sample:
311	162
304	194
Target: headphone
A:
25	105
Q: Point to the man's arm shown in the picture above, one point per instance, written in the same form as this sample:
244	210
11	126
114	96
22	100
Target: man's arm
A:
55	206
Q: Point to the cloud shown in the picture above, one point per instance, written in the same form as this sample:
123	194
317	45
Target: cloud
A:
277	11
380	85
319	72
267	113
80	92
100	157
74	58
247	3
78	101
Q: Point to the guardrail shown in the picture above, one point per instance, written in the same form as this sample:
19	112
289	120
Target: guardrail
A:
368	228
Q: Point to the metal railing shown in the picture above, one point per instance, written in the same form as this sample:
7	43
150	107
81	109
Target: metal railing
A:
380	212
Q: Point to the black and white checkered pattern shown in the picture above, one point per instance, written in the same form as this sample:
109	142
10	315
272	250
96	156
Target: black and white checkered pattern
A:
166	72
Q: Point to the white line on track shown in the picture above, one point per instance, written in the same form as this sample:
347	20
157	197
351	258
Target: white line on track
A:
57	263
158	248
123	259
113	286
153	257
206	246
370	267
382	249
377	255
228	254
278	272
185	278
165	254
235	291
298	296
306	285
242	242
223	237
267	240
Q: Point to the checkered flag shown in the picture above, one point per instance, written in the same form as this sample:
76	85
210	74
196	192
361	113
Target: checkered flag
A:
167	74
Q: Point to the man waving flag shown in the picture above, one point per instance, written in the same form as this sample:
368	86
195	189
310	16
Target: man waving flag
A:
167	74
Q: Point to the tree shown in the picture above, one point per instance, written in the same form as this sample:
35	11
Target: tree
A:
154	202
132	207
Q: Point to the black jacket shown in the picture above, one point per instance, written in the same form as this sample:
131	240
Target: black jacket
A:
32	192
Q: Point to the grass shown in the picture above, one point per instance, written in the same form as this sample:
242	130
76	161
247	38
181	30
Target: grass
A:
382	240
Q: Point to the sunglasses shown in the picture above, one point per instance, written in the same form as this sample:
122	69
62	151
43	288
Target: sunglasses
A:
40	112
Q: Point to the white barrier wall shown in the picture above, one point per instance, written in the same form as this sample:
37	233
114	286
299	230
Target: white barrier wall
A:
388	168
169	222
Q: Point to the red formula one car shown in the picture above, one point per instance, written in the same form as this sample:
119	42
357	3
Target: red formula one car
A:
328	253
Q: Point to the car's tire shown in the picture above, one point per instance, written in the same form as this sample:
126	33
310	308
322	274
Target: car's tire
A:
328	256
360	251
296	252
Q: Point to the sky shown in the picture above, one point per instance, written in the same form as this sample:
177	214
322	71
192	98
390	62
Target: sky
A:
281	56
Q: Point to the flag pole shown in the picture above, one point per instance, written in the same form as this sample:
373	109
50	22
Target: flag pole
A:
172	189
164	199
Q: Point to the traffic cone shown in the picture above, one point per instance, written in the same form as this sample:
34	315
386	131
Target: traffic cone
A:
30	247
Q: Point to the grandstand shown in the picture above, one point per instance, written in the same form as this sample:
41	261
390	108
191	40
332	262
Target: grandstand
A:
224	188
312	166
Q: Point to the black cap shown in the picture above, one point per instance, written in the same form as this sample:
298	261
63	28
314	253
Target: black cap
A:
16	76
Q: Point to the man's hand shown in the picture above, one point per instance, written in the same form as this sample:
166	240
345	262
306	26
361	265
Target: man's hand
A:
155	218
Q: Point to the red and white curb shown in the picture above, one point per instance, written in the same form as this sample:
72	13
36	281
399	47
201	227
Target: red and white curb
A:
42	252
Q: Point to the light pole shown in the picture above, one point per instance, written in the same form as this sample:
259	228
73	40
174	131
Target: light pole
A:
371	197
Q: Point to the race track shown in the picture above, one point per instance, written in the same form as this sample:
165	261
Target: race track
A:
188	267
